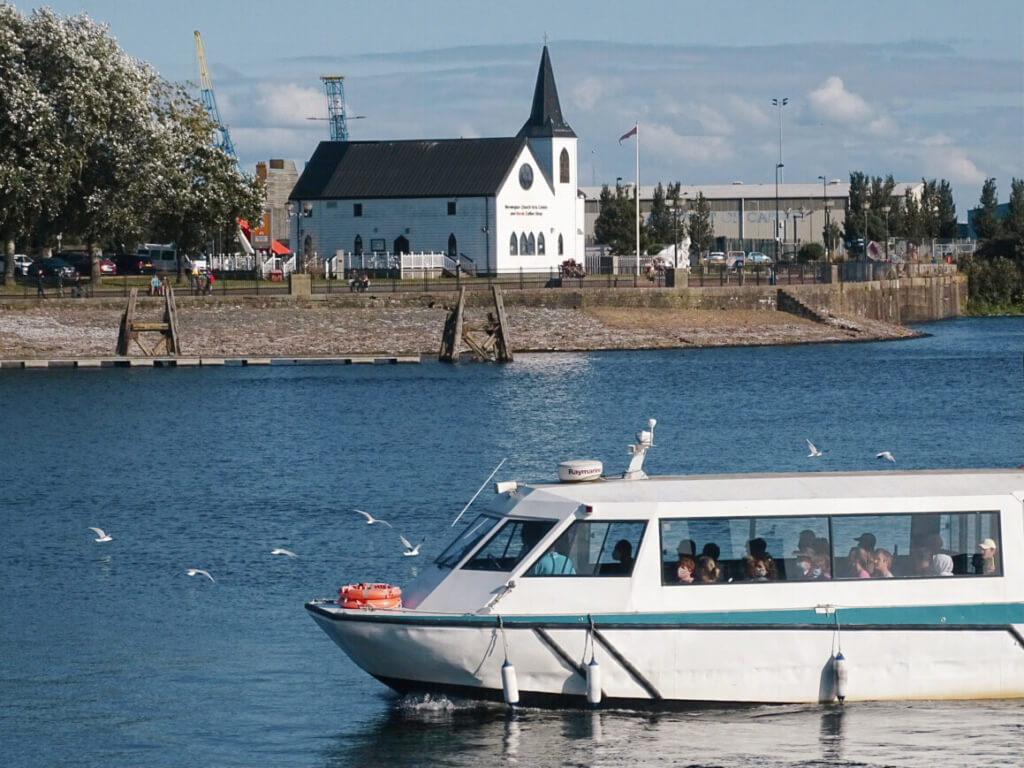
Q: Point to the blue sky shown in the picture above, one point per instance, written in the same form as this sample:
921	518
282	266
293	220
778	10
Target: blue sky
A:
918	89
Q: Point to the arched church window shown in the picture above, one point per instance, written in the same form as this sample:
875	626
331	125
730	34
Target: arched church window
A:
540	244
513	245
531	245
563	167
452	250
561	246
357	246
524	245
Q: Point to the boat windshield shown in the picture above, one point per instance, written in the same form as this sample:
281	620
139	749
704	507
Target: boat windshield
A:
509	546
468	539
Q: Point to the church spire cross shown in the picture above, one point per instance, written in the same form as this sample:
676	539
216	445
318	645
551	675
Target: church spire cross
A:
546	115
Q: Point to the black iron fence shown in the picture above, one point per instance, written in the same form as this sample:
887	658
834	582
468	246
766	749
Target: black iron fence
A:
243	283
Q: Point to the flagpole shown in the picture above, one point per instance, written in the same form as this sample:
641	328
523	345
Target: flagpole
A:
638	198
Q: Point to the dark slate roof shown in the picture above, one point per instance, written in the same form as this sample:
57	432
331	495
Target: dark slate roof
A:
546	116
385	169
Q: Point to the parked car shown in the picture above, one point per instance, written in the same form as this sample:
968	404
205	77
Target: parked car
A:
21	264
82	262
716	259
133	264
54	268
756	257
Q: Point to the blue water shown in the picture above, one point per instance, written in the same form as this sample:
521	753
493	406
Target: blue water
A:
110	655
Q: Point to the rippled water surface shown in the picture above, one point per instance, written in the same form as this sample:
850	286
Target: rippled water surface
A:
110	655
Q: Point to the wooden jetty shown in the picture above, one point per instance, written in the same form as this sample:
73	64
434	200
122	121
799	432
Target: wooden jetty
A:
489	342
132	329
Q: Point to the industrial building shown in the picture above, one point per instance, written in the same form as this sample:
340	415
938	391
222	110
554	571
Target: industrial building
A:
746	213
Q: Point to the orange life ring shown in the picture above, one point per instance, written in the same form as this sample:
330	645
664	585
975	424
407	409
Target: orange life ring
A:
373	595
391	602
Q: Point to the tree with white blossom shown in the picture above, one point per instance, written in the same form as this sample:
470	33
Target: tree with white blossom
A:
97	147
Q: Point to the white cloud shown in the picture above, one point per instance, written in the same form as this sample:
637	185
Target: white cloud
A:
586	93
712	121
747	113
287	104
939	157
881	126
833	103
698	149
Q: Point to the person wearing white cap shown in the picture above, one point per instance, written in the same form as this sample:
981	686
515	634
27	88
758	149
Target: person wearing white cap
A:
987	549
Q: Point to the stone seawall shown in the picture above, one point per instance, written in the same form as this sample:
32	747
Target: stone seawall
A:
544	319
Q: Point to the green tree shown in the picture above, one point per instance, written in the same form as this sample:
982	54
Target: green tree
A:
659	223
1014	223
810	252
985	222
701	230
98	147
616	221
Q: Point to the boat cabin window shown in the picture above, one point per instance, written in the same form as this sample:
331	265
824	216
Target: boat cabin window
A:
468	539
509	545
587	548
767	549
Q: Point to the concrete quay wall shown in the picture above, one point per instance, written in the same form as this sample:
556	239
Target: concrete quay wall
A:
907	300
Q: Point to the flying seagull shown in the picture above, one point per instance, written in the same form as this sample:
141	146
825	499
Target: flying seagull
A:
370	519
410	550
283	552
813	451
885	455
199	572
102	536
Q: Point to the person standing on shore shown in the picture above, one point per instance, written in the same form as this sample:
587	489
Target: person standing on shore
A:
40	293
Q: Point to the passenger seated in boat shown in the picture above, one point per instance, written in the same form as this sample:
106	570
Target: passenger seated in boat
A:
942	564
804	559
859	563
685	569
758	564
711	550
756	569
883	564
920	562
707	571
687	547
554	562
987	559
806	542
622	554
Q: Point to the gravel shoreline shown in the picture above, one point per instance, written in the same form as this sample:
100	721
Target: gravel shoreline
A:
228	327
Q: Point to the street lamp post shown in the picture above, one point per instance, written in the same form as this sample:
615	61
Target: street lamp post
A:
885	210
865	205
824	204
780	103
778	168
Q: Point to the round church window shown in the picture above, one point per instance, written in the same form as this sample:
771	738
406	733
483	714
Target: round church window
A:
525	176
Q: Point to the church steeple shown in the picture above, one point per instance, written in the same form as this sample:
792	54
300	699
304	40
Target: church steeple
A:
546	119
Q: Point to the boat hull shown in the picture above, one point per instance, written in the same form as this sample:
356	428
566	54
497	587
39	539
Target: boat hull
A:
671	659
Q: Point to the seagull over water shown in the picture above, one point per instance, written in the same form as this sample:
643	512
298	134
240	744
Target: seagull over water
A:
283	552
102	536
885	455
370	519
410	550
813	451
199	572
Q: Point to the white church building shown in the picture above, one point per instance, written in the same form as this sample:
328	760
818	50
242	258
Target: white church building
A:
491	206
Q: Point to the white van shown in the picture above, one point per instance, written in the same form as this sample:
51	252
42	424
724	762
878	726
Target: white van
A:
163	257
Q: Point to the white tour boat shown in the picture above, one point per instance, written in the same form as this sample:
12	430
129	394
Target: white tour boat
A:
804	587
